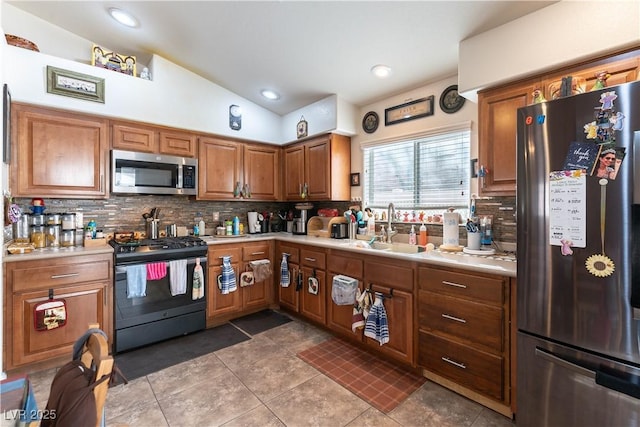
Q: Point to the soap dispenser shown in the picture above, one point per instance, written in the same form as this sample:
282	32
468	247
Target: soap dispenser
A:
412	235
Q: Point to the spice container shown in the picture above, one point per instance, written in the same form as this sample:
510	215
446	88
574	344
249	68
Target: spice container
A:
68	238
37	236
68	221
53	236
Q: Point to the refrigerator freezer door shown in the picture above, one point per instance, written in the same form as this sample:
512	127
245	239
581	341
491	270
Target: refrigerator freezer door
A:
559	386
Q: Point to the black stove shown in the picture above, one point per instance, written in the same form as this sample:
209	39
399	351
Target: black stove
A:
167	248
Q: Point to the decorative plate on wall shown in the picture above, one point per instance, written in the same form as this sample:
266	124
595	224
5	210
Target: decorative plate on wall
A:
450	101
370	122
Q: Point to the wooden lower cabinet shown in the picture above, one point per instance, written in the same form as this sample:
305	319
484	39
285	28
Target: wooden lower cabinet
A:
395	279
304	262
465	331
340	317
245	299
313	304
84	282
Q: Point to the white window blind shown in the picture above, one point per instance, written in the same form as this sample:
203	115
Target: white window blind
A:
429	173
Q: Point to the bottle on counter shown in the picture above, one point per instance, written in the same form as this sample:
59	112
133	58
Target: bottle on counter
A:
201	225
371	225
228	226
236	226
422	240
412	235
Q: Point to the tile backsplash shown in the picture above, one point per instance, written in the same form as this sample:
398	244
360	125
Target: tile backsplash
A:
124	213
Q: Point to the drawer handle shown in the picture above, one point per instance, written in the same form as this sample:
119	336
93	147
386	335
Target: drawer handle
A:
457	319
62	276
458	364
257	253
457	285
310	259
230	256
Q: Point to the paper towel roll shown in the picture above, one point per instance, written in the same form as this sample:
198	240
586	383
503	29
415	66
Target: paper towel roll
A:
450	229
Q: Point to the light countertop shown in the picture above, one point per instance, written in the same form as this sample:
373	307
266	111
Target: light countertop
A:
500	265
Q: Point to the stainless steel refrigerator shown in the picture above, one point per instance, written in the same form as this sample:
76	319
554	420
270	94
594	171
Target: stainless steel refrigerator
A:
578	312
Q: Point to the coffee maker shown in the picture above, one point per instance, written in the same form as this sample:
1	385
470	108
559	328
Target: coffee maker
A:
301	217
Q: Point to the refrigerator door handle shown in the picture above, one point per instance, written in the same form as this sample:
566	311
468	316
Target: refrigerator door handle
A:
546	354
628	384
612	379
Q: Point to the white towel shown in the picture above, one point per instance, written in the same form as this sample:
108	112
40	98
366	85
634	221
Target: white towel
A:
178	277
136	281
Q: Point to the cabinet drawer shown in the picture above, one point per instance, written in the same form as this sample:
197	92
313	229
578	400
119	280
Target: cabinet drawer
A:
215	255
341	263
53	273
256	251
476	323
463	365
312	258
391	275
462	285
294	253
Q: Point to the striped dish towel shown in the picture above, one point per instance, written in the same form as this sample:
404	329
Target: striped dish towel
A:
156	270
377	326
228	279
285	280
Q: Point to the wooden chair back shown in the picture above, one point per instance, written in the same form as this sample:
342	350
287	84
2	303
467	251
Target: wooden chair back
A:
97	355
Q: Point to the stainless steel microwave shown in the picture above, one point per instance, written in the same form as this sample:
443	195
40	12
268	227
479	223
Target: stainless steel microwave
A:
145	173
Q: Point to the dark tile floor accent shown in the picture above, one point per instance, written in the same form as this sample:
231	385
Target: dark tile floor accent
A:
261	321
378	382
152	358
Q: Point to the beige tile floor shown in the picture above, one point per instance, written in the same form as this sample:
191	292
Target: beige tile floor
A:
261	382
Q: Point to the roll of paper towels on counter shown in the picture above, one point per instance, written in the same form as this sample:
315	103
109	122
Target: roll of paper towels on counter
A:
450	229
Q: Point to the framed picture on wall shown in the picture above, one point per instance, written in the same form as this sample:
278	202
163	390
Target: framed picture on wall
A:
355	179
6	124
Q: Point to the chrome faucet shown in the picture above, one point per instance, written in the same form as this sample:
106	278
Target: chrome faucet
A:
391	213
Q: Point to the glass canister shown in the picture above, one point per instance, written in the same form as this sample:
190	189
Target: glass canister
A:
52	233
21	229
68	221
53	219
37	236
37	219
68	238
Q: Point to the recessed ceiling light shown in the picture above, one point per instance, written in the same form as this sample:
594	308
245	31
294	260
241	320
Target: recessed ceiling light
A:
125	18
269	94
381	71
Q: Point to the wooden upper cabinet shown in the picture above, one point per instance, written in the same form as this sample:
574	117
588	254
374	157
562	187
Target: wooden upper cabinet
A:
322	164
58	153
219	168
261	164
224	163
178	143
293	171
317	169
152	139
134	138
497	115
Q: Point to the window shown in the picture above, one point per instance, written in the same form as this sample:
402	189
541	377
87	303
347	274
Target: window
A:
428	173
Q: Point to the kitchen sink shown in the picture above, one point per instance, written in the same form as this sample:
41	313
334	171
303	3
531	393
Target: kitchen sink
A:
404	248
